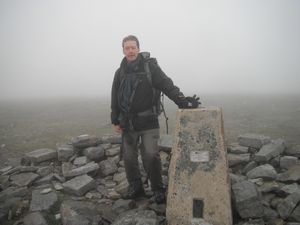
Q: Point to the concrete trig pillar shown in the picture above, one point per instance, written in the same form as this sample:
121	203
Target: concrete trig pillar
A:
199	185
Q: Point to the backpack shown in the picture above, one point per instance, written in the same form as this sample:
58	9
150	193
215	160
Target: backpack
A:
157	96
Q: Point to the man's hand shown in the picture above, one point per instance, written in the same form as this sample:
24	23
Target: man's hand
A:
188	102
118	129
193	102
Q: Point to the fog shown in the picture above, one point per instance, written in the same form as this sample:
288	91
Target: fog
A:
55	48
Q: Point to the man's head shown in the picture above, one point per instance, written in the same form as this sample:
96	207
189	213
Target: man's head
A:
131	47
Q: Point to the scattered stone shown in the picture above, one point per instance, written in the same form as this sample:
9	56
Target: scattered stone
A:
79	213
288	161
290	188
46	191
44	171
94	153
44	180
122	187
251	165
5	169
236	159
269	151
253	140
57	186
119	177
108	167
35	218
84	141
237	149
112	151
286	207
266	172
64	152
80	161
295	216
293	151
41	155
41	201
92	166
142	217
292	175
247	200
122	205
24	179
11	192
79	185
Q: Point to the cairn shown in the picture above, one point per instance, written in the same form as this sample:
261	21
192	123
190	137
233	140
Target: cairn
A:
81	183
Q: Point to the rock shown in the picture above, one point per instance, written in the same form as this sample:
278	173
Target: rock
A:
255	222
236	178
119	177
292	175
79	213
112	151
23	179
267	172
251	165
80	161
94	153
44	180
269	214
11	192
253	140
44	171
84	141
137	217
288	161
41	155
108	167
79	185
295	216
293	151
4	182
64	152
122	187
237	149
92	166
290	188
112	139
122	205
236	159
41	201
269	151
247	200
269	186
286	207
35	218
165	142
5	169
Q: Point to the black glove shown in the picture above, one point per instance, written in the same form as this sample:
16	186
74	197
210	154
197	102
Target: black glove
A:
193	102
188	102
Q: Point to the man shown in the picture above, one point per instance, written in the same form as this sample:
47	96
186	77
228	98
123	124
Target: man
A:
135	91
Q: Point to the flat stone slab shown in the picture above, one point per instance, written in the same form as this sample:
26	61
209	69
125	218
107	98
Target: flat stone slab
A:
269	151
41	155
84	141
35	218
79	185
253	140
40	201
286	207
94	153
11	192
92	166
247	200
291	175
64	152
266	172
198	163
142	217
23	179
237	159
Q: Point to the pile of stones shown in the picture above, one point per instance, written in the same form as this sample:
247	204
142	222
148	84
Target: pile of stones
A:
81	183
264	180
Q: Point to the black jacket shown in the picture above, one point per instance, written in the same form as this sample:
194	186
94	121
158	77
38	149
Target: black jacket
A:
143	96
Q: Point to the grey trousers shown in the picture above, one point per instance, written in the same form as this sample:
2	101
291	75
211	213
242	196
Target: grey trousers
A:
150	157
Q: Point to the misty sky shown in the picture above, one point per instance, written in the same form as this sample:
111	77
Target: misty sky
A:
73	47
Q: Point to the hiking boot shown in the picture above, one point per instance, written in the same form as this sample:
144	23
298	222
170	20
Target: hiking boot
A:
133	193
160	197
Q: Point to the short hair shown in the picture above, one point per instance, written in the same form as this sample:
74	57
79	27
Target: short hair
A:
131	38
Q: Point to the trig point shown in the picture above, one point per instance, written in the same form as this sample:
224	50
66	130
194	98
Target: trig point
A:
199	185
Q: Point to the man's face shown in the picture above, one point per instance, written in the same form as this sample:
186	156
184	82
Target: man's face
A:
131	50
